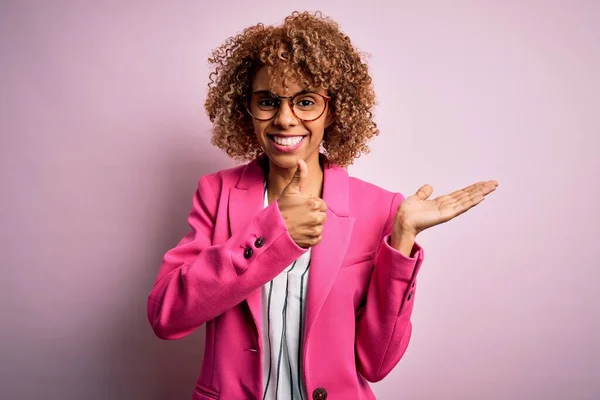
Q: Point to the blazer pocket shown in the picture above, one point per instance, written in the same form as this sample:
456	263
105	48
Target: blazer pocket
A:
356	259
203	393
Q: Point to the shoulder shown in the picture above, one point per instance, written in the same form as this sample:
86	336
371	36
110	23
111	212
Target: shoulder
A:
211	187
223	177
372	205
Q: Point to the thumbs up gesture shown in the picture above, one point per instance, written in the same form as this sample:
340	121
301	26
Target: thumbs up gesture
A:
304	216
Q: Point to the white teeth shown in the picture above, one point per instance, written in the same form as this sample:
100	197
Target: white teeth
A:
287	141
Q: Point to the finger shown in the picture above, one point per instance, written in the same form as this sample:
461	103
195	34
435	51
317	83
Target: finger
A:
451	202
480	188
298	181
318	204
316	231
322	205
475	186
461	207
456	208
479	191
460	192
315	241
424	192
320	218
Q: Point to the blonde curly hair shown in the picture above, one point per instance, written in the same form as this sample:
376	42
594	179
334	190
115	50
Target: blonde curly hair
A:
309	49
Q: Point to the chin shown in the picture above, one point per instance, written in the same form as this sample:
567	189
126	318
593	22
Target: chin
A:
285	161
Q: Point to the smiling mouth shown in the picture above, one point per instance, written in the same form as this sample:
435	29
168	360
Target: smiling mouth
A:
286	141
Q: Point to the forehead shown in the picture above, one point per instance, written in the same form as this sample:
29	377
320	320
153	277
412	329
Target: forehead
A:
262	81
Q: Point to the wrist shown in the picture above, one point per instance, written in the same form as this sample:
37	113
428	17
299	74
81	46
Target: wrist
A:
403	242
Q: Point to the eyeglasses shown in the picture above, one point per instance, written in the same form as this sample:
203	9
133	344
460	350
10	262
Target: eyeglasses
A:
306	106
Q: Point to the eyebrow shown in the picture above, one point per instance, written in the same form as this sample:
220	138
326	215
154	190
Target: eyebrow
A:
292	95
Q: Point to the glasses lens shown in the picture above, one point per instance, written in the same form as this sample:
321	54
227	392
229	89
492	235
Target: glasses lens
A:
263	105
308	106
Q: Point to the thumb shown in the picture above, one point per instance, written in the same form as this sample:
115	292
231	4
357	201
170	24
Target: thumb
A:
424	192
297	182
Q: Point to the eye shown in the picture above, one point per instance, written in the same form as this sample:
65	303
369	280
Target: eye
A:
306	103
267	102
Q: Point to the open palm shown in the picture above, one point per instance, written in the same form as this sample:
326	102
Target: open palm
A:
416	213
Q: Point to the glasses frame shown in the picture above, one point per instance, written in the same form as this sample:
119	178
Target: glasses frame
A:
248	98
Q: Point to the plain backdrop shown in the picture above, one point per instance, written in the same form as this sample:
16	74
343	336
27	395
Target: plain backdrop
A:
103	136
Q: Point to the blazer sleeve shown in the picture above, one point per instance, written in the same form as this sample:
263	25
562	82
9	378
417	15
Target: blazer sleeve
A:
197	281
383	326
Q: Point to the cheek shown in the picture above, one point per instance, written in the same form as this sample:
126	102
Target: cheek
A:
259	127
316	130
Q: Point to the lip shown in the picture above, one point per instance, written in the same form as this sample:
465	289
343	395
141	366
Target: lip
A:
283	135
286	149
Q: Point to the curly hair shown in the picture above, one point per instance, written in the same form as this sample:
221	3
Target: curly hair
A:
309	49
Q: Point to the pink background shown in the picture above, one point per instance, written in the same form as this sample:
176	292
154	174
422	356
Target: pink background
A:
103	136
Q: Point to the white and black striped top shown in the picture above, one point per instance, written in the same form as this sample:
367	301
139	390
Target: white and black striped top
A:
283	310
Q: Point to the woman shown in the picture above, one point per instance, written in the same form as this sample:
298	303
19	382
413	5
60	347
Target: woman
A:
304	276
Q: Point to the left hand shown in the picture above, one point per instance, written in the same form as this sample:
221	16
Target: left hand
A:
416	213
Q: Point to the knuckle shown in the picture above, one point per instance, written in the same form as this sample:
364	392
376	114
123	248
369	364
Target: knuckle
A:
323	205
319	218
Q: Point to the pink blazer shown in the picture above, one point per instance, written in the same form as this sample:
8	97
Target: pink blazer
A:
360	291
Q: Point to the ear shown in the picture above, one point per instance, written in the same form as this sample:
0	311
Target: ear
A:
330	118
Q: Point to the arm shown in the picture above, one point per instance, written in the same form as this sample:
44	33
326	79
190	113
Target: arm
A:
198	281
383	327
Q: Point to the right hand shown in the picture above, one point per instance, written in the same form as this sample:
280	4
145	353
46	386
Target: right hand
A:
304	216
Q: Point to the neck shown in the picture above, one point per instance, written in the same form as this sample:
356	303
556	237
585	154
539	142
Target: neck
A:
278	178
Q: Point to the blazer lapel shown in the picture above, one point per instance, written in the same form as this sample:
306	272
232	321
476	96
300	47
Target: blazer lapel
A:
327	256
246	200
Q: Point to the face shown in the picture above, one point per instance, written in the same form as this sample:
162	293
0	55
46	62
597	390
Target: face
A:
285	138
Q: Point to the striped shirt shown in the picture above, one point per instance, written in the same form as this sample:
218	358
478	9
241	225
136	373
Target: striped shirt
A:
283	309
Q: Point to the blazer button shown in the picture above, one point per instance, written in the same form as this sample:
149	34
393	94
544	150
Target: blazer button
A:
320	394
410	295
260	242
247	253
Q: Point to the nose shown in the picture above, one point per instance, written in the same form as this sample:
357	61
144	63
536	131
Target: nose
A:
285	116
